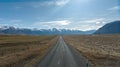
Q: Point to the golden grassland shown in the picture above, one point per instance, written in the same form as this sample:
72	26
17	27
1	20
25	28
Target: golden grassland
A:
100	50
23	51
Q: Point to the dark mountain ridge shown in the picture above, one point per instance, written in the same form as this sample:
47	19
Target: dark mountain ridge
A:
110	28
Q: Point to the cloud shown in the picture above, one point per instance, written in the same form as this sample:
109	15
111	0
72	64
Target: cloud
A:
87	27
61	2
53	23
92	24
96	21
84	24
15	20
50	3
115	8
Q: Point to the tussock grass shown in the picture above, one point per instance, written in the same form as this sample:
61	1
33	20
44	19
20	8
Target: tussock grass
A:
23	51
101	50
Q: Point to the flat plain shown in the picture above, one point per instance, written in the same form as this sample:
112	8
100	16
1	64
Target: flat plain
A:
23	51
100	50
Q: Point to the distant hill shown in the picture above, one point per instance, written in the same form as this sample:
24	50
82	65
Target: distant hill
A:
54	31
110	28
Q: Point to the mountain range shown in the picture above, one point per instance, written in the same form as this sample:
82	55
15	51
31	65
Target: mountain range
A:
110	28
54	31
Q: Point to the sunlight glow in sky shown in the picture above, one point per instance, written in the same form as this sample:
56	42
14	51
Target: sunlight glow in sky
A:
68	14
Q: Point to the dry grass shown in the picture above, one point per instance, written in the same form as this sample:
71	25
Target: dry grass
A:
101	50
23	51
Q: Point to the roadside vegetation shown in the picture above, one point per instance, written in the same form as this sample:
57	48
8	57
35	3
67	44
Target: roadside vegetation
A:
100	50
23	51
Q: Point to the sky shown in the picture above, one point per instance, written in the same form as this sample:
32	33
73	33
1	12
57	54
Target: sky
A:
62	14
